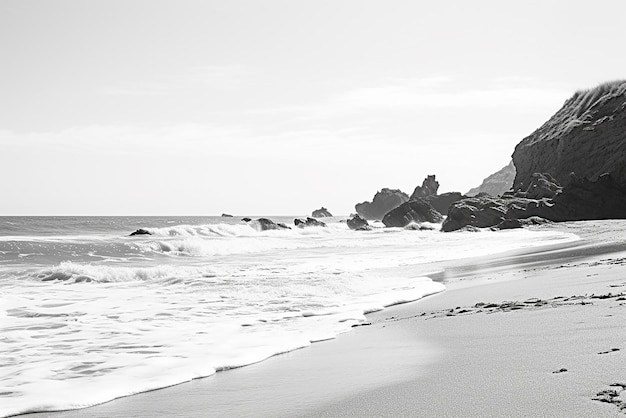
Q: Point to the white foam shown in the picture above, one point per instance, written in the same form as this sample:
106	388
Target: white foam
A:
221	298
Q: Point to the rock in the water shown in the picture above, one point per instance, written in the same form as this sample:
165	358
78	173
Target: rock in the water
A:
383	202
480	212
429	187
418	227
141	231
417	210
357	223
321	213
309	222
496	184
442	202
586	136
226	215
246	219
264	224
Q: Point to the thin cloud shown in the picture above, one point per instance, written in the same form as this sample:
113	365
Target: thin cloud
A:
208	77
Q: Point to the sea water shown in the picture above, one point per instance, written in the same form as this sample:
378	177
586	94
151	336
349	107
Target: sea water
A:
89	314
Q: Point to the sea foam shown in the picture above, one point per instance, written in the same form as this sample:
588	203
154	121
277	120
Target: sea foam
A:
91	320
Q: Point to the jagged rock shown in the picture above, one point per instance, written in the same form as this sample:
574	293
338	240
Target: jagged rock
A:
309	222
429	187
265	224
417	210
226	215
442	202
357	223
481	212
246	219
384	201
496	184
541	185
140	231
586	136
321	213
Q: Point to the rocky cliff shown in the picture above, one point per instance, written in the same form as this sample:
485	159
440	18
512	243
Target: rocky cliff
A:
586	136
496	184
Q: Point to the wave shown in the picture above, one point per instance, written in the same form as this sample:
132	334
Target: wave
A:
249	229
87	273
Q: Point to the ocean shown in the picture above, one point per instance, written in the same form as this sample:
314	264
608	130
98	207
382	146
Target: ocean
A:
89	314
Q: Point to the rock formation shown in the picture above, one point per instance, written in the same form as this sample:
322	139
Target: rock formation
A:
358	223
572	168
264	224
226	215
442	202
429	187
321	213
140	231
309	222
416	210
586	136
384	201
496	184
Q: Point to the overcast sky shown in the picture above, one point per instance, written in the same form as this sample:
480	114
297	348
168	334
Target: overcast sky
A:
278	107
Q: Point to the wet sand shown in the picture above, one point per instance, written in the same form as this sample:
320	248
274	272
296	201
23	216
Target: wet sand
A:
535	333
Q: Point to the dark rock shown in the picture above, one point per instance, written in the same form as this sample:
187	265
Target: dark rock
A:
321	213
265	224
586	136
429	187
226	215
542	185
357	223
442	202
481	212
309	222
497	183
384	201
418	210
246	219
509	224
140	231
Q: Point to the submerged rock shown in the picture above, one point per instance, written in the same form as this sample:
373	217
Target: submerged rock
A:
321	213
309	222
357	223
414	211
265	224
140	231
384	201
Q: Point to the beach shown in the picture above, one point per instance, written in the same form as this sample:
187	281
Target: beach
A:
538	332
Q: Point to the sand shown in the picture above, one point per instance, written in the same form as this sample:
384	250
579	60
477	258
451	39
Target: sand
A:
535	333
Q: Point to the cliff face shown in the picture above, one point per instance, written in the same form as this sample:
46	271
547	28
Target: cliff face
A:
586	136
497	183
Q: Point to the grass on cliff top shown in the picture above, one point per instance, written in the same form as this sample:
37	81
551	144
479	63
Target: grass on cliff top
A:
584	99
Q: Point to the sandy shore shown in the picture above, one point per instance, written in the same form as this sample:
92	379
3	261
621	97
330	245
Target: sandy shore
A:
537	333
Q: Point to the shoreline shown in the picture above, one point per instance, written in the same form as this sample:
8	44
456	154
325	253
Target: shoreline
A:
400	356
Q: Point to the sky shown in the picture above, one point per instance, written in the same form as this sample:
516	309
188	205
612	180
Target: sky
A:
278	107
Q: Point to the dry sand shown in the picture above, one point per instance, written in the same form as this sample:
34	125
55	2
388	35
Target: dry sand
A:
553	350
